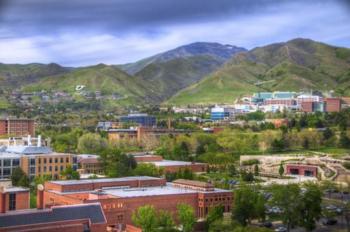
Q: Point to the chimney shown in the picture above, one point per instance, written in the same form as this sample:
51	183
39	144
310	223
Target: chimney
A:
29	141
40	197
39	141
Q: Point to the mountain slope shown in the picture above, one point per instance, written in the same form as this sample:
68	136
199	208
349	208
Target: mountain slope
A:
296	65
17	75
106	79
167	73
218	51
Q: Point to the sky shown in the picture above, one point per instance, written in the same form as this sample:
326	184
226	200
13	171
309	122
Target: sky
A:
88	32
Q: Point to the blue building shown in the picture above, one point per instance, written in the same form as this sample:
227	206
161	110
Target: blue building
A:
221	113
139	119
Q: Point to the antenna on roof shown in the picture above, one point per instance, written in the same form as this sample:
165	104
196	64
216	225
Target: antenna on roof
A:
29	141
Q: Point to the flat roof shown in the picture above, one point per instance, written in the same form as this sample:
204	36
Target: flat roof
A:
168	189
103	180
165	163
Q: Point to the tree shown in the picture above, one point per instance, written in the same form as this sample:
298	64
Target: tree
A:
281	169
344	140
70	174
146	218
256	170
165	222
115	163
186	217
311	209
247	205
215	213
288	199
19	178
147	169
91	143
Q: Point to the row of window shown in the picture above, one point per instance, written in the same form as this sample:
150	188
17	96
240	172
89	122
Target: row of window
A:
50	160
7	162
50	168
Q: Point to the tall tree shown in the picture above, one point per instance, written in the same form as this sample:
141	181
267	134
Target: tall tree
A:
288	199
70	174
281	169
215	213
91	143
165	222
19	178
311	209
146	218
186	217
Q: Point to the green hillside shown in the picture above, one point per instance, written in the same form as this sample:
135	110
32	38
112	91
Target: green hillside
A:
106	79
299	64
165	79
17	75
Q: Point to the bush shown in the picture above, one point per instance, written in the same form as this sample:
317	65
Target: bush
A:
250	162
346	165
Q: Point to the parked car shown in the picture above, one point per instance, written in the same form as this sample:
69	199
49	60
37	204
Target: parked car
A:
281	229
266	224
329	221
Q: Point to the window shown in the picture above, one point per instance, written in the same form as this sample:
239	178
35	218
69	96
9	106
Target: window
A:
32	170
6	171
44	168
50	160
50	169
61	168
39	160
7	162
75	159
15	162
61	160
12	201
56	168
32	161
56	160
39	169
44	160
67	160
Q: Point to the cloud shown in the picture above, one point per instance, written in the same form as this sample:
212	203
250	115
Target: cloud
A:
88	32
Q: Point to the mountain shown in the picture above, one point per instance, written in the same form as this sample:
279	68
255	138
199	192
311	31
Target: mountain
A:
167	73
299	64
17	75
109	80
217	51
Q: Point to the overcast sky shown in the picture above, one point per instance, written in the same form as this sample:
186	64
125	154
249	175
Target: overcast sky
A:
85	32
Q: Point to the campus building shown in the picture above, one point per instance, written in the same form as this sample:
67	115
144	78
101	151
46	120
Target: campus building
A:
221	113
120	197
89	164
171	166
144	120
34	161
17	127
140	133
12	198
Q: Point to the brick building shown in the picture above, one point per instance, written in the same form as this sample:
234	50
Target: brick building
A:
12	198
333	104
17	127
140	133
89	164
119	197
303	170
35	161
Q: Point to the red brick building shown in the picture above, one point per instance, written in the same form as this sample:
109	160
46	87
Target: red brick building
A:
17	127
13	198
333	104
119	197
303	170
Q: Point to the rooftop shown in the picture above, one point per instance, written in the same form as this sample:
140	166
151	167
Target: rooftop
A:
165	163
104	180
28	150
93	212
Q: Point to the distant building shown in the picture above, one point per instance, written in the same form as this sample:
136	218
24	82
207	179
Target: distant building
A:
171	166
89	164
333	104
105	126
35	161
17	127
221	113
144	120
303	170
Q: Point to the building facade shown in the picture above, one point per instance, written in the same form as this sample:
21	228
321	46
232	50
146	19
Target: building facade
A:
17	127
144	120
120	197
12	198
